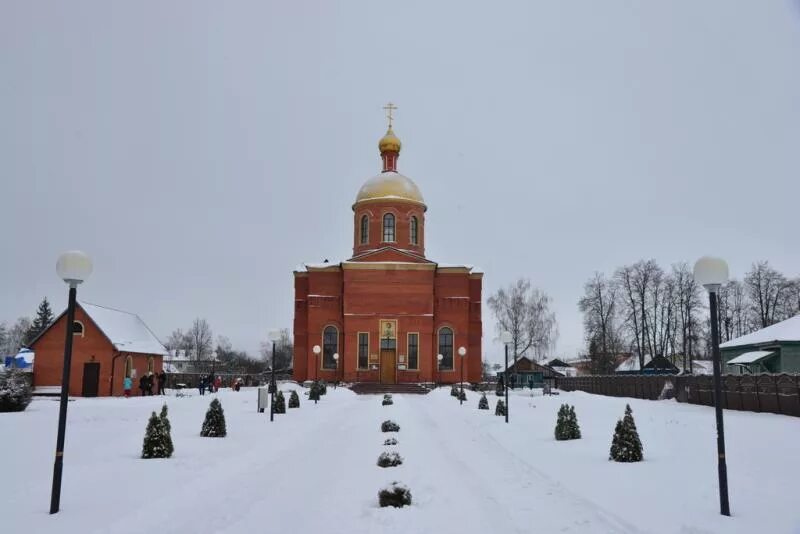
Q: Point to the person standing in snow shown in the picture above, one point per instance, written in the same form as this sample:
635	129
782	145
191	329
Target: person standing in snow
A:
142	384
150	378
162	382
127	384
202	385
210	382
217	383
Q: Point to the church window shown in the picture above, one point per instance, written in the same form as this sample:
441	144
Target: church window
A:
413	351
77	328
330	346
364	230
446	349
388	227
414	231
363	350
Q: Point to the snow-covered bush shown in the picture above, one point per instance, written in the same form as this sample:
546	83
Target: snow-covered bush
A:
280	402
453	391
163	417
390	426
462	395
387	402
15	390
389	459
294	399
500	409
390	441
395	494
483	404
214	425
387	395
314	391
567	424
323	387
626	445
157	440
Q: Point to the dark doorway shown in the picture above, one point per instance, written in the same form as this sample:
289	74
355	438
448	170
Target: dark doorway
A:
91	379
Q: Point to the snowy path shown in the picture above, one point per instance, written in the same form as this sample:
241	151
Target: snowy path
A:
313	469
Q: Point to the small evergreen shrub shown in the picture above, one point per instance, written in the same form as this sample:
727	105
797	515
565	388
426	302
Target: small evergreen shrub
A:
167	429
567	424
389	459
454	391
214	425
15	391
387	395
314	392
395	494
483	404
323	387
390	441
462	395
500	409
280	402
294	399
390	426
387	402
500	390
626	445
157	441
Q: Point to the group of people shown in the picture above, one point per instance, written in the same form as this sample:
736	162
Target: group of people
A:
146	384
209	382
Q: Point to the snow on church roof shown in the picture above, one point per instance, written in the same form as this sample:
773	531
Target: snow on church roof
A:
125	330
788	330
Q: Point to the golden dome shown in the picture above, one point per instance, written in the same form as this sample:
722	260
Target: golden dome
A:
389	142
390	186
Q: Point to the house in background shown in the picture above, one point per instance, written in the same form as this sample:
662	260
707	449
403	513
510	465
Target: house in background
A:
107	346
652	366
774	349
527	373
562	367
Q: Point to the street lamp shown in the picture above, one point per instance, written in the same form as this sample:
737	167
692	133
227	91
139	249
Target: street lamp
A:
440	357
316	351
274	336
506	338
336	359
462	352
73	267
711	273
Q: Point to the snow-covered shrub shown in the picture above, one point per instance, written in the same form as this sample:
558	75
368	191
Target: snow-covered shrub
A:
390	441
500	409
157	441
323	387
214	425
314	391
567	424
462	395
387	395
390	426
294	399
280	402
483	404
15	391
626	445
167	429
395	494
389	459
454	391
387	402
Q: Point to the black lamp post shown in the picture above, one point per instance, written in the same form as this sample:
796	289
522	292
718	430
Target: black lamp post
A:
336	359
317	349
711	273
439	359
506	338
462	352
73	267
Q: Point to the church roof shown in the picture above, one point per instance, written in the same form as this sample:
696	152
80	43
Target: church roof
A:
390	185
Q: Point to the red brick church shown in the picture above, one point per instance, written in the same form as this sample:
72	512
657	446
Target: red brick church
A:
387	313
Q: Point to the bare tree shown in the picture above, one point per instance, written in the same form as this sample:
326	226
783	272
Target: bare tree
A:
599	307
767	289
201	339
284	351
524	311
689	303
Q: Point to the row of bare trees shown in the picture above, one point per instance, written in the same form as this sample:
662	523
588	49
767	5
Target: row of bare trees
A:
647	310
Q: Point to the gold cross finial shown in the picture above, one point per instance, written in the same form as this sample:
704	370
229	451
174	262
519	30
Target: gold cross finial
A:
389	108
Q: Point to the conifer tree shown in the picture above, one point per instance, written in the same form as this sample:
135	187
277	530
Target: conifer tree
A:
462	395
567	424
164	419
453	391
294	400
483	404
15	390
157	441
626	445
280	402
214	425
500	409
44	316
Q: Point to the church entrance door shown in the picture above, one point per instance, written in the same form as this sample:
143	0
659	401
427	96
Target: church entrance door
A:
388	366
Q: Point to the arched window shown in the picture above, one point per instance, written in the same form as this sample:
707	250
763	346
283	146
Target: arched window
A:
364	230
388	227
414	231
446	349
129	367
77	328
151	365
330	346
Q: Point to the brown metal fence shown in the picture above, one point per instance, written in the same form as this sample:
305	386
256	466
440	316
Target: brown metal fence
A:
757	393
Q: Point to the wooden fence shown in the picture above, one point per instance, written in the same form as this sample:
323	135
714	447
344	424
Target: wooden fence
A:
774	393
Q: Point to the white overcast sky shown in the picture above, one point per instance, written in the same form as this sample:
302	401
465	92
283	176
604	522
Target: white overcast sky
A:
199	151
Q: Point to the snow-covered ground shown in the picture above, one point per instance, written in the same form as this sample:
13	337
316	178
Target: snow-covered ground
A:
313	470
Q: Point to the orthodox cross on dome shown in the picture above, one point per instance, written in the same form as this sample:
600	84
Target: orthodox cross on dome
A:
389	108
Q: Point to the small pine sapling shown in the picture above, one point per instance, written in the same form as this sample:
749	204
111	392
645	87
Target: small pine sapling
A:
395	494
280	402
390	426
294	399
156	444
15	391
164	419
214	425
389	459
462	395
500	409
454	391
626	445
483	404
